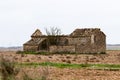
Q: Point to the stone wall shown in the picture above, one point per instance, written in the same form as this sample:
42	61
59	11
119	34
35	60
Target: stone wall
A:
62	49
78	40
100	42
30	48
88	40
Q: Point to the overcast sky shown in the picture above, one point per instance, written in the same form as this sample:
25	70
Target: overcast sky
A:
20	18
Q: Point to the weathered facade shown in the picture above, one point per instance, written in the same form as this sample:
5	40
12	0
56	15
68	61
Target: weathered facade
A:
88	40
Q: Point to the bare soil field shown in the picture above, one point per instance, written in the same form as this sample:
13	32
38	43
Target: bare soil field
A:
54	73
111	57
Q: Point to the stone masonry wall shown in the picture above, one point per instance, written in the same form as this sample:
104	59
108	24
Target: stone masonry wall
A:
62	49
30	48
86	40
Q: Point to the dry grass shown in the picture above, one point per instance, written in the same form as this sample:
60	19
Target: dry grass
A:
54	73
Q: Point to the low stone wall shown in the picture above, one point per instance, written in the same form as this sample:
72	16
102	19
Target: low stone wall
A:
70	49
30	48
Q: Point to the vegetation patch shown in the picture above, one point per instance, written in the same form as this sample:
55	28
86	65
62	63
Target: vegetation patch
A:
48	53
66	65
32	52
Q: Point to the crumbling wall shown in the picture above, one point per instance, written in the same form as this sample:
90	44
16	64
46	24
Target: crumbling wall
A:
78	40
84	45
30	48
84	31
70	49
88	40
94	40
100	42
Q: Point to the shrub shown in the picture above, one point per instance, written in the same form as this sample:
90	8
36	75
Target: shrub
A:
8	70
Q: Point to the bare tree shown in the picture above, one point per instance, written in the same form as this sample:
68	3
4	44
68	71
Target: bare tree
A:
53	31
53	36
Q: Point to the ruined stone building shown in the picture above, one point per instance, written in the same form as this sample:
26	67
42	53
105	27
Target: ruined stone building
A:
88	40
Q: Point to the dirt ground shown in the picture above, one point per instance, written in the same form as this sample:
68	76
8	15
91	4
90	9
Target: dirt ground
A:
53	73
